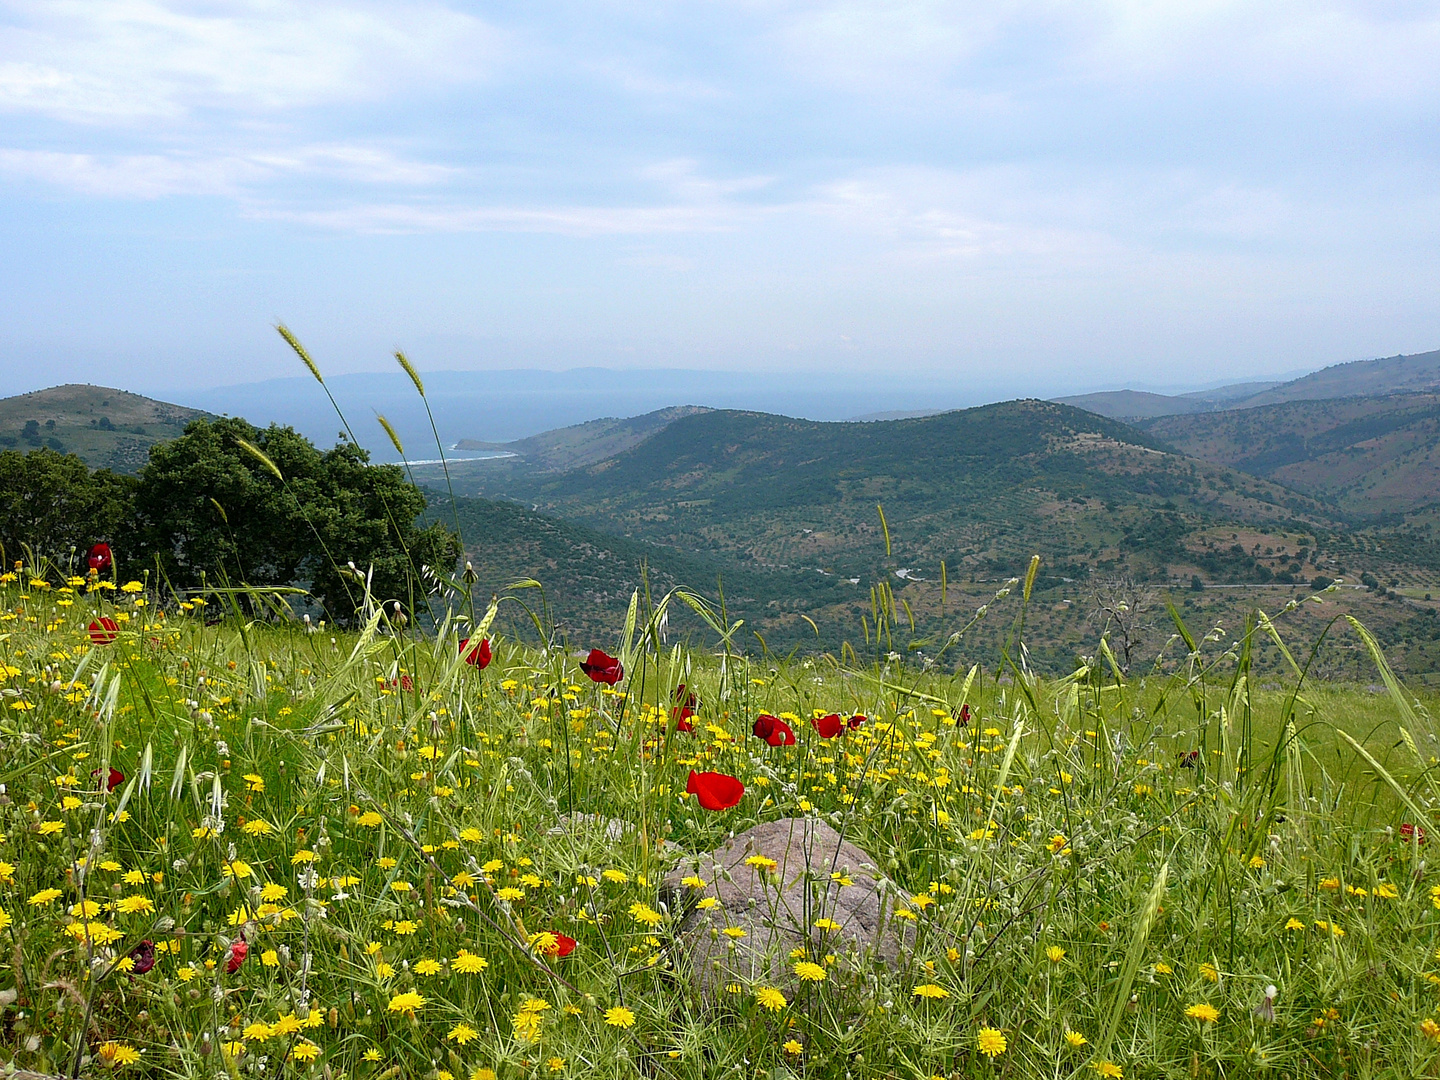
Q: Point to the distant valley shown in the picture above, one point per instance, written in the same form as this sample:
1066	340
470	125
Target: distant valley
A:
1241	496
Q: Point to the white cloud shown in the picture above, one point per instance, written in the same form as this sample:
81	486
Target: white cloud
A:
152	176
107	61
578	221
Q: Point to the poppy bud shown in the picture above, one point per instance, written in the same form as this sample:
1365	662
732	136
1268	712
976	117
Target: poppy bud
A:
602	667
479	656
773	730
829	726
142	958
99	558
238	952
104	630
715	791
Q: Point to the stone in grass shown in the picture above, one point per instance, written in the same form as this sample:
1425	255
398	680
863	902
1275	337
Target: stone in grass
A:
777	908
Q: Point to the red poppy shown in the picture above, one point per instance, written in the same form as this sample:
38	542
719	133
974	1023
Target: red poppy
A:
564	946
406	683
142	958
479	656
114	780
686	699
715	790
963	716
682	717
1410	832
855	721
104	630
238	951
99	558
1190	759
602	667
829	726
774	730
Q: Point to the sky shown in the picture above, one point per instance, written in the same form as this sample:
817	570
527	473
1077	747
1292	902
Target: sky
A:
1009	196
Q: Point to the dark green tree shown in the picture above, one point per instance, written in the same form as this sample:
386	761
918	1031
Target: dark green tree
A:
206	504
53	502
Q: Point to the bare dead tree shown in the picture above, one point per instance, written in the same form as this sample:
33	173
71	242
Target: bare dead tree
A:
1120	607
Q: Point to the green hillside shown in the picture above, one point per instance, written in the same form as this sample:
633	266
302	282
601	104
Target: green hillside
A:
108	428
1387	375
569	447
975	487
785	510
1369	455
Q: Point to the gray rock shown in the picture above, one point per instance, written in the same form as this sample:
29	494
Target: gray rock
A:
778	908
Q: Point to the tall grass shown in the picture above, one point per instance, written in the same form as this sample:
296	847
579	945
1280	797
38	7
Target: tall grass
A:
1084	859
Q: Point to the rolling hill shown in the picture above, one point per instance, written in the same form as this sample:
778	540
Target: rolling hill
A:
785	512
973	487
1360	378
1369	456
576	446
108	428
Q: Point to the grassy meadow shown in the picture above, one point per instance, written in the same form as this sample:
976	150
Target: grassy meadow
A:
271	848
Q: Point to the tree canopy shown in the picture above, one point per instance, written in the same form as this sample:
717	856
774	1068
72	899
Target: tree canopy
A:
205	504
52	502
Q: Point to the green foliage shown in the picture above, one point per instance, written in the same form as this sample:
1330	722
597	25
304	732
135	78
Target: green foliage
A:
52	502
108	428
1091	870
206	505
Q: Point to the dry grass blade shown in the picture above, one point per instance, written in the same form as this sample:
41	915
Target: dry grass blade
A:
294	343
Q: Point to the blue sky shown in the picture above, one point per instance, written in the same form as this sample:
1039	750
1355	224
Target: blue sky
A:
1014	196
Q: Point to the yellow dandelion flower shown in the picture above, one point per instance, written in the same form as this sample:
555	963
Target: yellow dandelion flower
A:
117	1054
462	1034
932	991
620	1017
44	896
1074	1039
1204	1012
644	913
810	972
406	1003
135	905
468	963
767	997
288	1024
991	1042
304	1051
1108	1069
1055	954
792	1047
